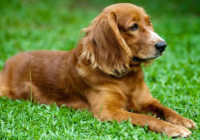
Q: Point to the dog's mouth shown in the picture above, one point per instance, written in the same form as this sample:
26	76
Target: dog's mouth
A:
137	59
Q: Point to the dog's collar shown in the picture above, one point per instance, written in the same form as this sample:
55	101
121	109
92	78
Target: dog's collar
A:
119	74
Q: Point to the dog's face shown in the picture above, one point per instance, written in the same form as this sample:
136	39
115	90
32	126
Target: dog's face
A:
137	30
122	36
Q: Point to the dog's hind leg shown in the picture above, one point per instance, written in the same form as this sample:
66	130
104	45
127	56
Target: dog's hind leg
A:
22	91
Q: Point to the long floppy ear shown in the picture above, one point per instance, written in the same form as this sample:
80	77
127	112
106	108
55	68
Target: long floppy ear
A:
104	46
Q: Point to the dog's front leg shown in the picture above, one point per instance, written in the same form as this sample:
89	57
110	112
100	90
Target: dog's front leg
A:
111	106
143	102
168	114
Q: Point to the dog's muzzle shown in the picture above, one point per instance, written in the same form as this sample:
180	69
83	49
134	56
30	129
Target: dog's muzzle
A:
160	46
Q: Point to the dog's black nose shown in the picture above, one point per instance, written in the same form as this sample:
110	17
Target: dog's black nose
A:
160	46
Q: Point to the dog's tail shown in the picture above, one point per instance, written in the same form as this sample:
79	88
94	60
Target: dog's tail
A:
1	86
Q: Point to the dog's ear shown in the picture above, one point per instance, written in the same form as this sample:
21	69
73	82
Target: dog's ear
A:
104	46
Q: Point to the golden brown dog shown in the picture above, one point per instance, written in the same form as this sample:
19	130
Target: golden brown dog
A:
102	74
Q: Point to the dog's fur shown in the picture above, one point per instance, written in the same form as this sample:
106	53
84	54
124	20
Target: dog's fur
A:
102	74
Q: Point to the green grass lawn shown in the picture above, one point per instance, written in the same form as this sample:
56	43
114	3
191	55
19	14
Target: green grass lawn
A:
173	78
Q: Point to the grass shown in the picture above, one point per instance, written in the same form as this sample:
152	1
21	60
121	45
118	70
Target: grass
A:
173	78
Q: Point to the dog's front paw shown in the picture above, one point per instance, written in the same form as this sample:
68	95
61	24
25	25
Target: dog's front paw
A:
176	131
181	121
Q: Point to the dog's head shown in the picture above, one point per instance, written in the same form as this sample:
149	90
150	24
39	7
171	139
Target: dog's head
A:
121	37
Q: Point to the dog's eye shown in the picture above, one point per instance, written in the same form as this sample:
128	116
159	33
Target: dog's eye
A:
149	22
134	27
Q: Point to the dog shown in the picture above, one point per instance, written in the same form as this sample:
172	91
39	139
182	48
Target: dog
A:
102	74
